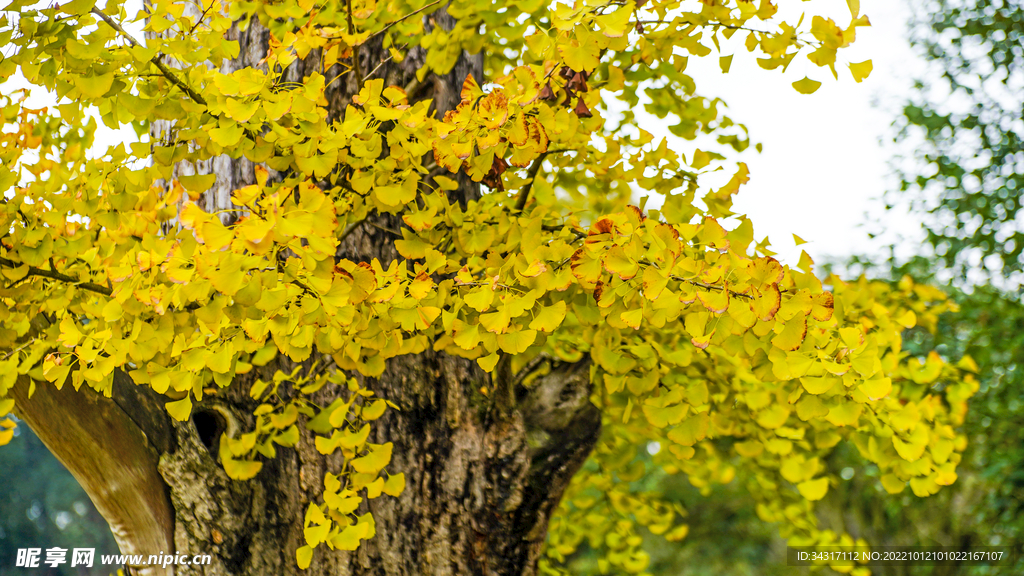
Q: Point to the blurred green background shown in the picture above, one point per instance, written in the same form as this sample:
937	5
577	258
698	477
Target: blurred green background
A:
42	506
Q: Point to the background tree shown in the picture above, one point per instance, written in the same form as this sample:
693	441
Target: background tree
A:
963	123
984	507
302	300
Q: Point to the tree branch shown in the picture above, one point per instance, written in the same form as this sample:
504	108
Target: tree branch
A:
402	19
355	49
155	60
524	194
54	275
111	457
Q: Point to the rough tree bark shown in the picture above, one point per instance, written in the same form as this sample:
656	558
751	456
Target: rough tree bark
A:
478	495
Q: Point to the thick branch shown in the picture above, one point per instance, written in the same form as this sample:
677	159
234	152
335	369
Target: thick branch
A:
562	426
111	457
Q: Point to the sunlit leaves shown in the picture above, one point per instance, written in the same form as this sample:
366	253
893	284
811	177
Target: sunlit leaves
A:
696	336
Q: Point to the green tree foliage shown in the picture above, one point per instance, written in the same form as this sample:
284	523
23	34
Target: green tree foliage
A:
986	506
967	171
737	366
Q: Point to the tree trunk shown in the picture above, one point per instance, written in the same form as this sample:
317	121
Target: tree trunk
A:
478	495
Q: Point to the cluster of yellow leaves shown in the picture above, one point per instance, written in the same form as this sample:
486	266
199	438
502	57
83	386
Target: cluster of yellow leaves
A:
343	425
770	420
696	335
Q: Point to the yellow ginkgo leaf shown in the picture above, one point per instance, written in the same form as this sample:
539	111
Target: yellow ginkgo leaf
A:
810	407
516	341
892	484
350	537
240	110
813	489
374	410
806	86
716	301
632	318
876	388
549	317
691	430
773	416
749	449
352	440
581	58
846	414
376	460
395	485
617	262
180	410
792	334
660	417
861	71
94	86
242	469
819	384
488	362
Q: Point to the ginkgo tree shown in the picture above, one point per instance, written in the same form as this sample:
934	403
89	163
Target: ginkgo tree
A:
372	294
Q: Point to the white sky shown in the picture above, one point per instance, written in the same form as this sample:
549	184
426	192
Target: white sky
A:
823	166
